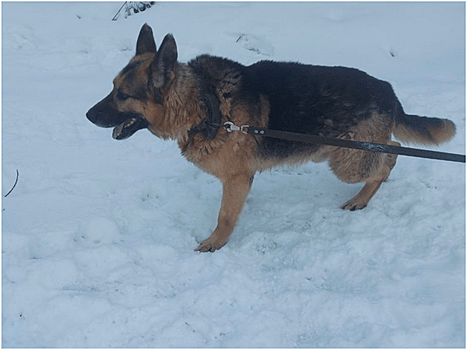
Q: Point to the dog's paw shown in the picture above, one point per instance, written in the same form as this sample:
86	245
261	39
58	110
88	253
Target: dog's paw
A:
352	205
210	245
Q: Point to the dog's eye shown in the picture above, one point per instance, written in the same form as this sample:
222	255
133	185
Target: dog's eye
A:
122	96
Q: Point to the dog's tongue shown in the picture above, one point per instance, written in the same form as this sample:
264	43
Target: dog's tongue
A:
128	128
116	134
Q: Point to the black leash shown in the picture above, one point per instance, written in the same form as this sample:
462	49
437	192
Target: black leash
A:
212	124
366	146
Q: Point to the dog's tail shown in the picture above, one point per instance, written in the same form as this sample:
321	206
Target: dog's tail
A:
419	130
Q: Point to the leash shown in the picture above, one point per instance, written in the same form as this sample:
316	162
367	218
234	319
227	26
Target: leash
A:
366	146
212	123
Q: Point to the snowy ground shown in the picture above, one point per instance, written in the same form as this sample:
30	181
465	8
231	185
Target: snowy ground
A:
98	235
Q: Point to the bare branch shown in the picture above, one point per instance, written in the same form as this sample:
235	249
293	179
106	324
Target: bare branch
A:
16	181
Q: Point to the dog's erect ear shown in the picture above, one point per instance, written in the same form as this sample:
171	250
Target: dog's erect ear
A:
167	56
163	65
145	43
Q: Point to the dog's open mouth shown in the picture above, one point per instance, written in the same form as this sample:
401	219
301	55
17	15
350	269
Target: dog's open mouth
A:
129	127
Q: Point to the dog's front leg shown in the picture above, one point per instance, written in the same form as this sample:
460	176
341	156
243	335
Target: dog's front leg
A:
234	194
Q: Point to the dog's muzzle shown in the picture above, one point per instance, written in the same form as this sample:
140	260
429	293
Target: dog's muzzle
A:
125	124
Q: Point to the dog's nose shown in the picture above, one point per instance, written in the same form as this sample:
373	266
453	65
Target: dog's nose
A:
94	115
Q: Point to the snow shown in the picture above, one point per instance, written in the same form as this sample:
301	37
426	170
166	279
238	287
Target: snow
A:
99	236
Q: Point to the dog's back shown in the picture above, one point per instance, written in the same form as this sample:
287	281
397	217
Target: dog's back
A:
330	101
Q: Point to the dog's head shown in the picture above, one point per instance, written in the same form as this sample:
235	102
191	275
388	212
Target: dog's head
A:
136	101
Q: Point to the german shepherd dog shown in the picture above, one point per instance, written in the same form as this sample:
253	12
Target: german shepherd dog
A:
178	101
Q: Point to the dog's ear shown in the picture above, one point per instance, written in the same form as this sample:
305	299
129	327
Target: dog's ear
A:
167	55
161	70
145	43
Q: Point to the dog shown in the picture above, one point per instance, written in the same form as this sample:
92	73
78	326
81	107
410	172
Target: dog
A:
189	102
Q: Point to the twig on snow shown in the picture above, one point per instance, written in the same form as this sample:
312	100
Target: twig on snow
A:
16	181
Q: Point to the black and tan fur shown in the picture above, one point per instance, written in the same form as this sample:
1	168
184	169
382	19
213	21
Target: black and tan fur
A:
157	92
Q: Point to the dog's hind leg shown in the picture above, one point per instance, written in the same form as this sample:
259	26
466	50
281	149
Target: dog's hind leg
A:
234	195
391	158
353	166
372	185
373	168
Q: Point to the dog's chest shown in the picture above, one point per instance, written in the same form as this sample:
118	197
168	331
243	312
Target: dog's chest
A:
198	150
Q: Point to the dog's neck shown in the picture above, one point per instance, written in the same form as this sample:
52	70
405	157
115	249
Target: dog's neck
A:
182	109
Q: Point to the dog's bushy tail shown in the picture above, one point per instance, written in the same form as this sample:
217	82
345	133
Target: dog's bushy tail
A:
419	130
